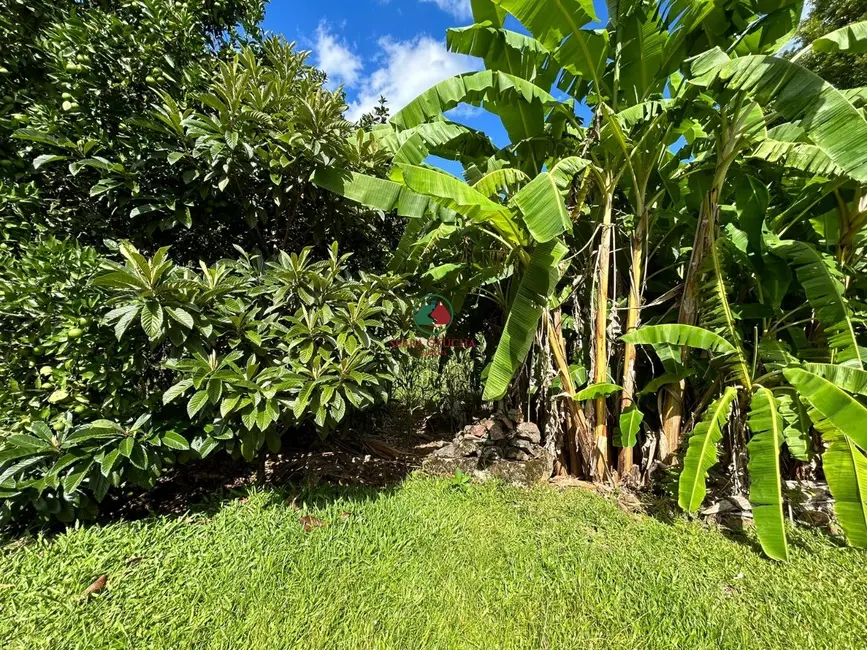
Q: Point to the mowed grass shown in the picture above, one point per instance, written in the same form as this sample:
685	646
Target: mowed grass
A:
427	566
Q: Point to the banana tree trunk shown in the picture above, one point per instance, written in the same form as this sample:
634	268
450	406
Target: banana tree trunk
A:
625	456
578	435
600	366
672	410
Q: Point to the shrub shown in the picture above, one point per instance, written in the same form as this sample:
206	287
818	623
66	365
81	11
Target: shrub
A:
122	372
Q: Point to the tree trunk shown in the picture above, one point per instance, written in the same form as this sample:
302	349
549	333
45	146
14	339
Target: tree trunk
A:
578	435
672	410
625	456
600	375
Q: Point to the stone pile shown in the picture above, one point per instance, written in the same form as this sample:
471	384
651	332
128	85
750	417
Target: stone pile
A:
501	446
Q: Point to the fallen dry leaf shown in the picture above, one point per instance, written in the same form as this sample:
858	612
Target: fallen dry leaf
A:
97	585
345	516
6	586
310	523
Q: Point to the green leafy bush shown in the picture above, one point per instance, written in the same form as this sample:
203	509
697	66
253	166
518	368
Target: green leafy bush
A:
177	122
114	371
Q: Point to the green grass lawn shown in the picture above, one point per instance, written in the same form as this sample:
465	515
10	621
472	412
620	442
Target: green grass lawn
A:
427	566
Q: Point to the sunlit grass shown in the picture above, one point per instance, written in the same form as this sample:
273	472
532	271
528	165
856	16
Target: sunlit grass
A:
426	565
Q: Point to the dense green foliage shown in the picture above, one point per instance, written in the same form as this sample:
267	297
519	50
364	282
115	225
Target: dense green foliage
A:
842	69
154	122
710	209
431	566
715	196
174	122
146	364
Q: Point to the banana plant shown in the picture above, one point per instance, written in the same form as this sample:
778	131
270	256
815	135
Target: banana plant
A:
776	388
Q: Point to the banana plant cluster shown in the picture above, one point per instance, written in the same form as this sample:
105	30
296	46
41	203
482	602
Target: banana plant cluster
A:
709	205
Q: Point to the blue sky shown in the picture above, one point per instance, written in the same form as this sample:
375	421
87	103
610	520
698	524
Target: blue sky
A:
394	48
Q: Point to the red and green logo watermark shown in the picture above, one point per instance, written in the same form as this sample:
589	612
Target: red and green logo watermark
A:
432	315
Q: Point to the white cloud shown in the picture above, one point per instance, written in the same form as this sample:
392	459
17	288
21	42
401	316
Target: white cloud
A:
457	8
335	58
407	69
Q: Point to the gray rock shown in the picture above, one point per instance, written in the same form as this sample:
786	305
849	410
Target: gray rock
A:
440	466
448	451
477	430
528	472
466	446
525	445
740	503
529	431
513	453
496	432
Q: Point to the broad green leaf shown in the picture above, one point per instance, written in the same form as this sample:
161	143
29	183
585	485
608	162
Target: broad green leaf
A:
228	405
24	441
152	319
174	440
517	54
178	389
476	89
46	159
551	22
766	493
181	316
797	95
717	316
505	181
126	446
76	476
196	403
852	380
596	390
124	321
57	396
800	156
376	193
439	272
453	194
822	282
304	398
137	456
688	335
108	461
537	284
796	432
846	471
542	200
842	410
440	138
851	38
630	423
21	466
486	10
42	430
701	454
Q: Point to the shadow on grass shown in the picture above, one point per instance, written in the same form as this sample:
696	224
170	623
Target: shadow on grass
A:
310	471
